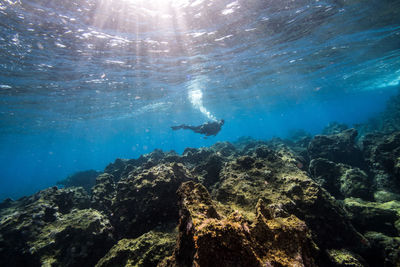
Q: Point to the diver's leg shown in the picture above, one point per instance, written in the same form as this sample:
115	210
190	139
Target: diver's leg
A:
177	127
195	129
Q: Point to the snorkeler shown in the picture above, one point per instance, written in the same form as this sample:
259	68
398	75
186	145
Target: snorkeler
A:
208	128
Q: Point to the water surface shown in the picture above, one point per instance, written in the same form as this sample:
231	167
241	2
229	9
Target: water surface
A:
85	82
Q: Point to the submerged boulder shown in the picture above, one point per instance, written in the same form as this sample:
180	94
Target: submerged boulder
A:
341	180
372	216
382	153
384	251
146	200
339	148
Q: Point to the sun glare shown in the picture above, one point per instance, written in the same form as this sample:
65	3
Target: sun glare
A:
159	4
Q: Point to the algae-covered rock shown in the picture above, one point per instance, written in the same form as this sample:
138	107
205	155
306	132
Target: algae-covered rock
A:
122	167
53	228
372	216
339	148
207	238
269	205
103	193
209	170
385	196
78	238
334	128
148	199
344	258
145	251
277	180
384	251
340	180
85	179
382	152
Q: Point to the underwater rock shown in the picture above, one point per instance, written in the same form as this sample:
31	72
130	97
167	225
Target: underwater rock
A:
384	251
372	216
382	153
85	179
122	167
246	143
345	258
53	228
334	128
148	199
209	171
263	208
146	251
224	149
193	156
6	203
387	122
339	148
103	193
277	180
207	238
340	180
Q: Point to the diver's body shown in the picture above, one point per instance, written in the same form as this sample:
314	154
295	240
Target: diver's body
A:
208	128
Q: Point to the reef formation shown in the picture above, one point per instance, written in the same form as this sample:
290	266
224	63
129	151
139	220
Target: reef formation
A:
326	200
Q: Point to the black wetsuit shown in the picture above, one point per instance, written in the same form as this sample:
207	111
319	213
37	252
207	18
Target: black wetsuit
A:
208	128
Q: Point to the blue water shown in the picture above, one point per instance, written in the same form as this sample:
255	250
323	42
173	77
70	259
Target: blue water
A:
85	82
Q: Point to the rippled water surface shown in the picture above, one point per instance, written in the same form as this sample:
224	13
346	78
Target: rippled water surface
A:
84	82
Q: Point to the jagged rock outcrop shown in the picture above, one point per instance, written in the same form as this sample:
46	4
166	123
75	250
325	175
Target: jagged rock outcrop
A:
277	180
207	238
